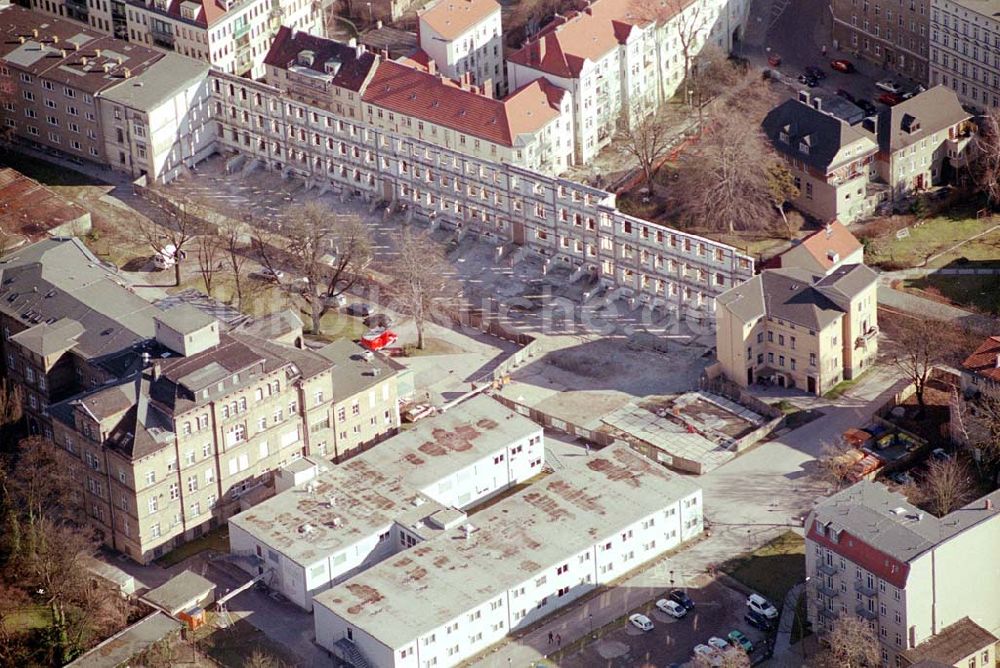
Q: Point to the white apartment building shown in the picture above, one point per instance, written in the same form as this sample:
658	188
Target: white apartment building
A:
231	35
965	49
465	37
566	222
511	564
386	500
159	123
616	64
871	553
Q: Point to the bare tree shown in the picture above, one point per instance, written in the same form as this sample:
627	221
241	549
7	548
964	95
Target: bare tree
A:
648	139
260	659
836	462
421	278
728	658
209	252
946	485
11	408
723	180
328	252
977	422
234	239
713	73
984	165
850	643
171	239
781	188
917	349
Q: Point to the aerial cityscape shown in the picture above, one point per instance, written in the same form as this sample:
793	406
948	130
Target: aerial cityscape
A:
500	333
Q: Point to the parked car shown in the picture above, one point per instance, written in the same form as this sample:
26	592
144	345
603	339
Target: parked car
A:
762	606
738	639
889	86
815	72
378	320
846	95
866	106
167	257
681	597
940	455
672	608
774	60
842	65
640	622
706	651
271	274
901	477
758	621
340	301
810	81
718	643
359	309
889	99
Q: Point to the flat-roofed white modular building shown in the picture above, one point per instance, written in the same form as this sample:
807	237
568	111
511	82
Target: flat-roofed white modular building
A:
400	493
454	595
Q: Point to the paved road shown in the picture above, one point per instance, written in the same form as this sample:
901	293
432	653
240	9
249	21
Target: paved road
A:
750	500
926	308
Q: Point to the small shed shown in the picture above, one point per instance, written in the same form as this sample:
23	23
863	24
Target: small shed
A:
111	574
856	438
181	593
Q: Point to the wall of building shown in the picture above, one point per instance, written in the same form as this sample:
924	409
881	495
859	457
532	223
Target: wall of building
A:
478	51
963	42
890	36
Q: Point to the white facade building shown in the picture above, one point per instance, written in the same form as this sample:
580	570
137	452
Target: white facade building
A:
465	37
406	490
965	50
515	563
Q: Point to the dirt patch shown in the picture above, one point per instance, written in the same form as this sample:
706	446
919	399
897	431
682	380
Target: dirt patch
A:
446	441
368	595
581	363
617	473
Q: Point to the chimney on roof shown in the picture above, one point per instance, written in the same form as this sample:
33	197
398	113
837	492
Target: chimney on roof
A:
97	53
55	39
62	53
34	33
20	38
817	103
432	67
996	362
378	24
487	88
83	61
157	370
870	124
989	504
804	96
128	73
541	49
829	230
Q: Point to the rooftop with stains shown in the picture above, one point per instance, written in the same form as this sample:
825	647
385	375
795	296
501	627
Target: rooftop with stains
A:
509	543
369	493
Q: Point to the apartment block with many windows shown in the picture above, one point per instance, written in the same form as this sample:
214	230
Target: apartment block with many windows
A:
573	224
892	35
465	37
917	579
965	50
799	329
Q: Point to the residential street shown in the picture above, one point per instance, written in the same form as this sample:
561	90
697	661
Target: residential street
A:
749	500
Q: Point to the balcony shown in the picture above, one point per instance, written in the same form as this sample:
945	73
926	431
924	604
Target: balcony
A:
240	30
829	614
827	569
828	592
244	62
862	611
163	36
863	589
866	337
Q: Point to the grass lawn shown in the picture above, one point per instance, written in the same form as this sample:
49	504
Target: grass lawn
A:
840	388
217	540
45	172
980	293
233	646
337	325
433	346
935	235
771	569
28	618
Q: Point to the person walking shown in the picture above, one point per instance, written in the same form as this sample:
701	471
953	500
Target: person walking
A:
824	50
550	637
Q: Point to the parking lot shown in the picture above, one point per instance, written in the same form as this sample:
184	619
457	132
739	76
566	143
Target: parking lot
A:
718	610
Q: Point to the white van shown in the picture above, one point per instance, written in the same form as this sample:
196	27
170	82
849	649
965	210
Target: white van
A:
165	259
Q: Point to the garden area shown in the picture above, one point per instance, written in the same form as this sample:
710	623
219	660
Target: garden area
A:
773	568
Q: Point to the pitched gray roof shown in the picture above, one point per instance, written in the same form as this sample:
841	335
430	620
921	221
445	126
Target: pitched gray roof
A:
826	136
185	318
846	282
120	648
788	294
158	83
179	590
934	110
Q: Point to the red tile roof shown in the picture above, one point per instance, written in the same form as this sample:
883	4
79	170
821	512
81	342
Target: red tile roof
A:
835	238
563	46
861	553
452	18
354	69
211	10
413	92
983	362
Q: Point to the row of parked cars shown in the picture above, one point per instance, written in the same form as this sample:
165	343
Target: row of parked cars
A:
760	614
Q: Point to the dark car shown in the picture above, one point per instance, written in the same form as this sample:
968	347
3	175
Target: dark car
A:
378	320
846	95
815	72
774	60
359	309
758	621
890	99
866	106
842	65
810	81
680	596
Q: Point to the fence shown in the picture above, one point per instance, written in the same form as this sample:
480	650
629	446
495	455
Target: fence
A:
730	390
598	438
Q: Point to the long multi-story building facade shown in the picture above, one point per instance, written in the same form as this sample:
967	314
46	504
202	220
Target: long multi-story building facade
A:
891	35
567	222
231	35
965	50
911	575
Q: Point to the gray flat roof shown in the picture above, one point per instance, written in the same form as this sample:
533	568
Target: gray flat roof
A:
353	372
121	648
178	590
420	589
368	493
156	84
185	318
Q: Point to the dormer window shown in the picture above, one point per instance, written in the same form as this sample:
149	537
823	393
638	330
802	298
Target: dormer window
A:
783	136
804	147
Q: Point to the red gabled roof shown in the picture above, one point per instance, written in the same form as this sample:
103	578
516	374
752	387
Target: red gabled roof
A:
984	361
835	238
413	92
354	68
452	18
874	561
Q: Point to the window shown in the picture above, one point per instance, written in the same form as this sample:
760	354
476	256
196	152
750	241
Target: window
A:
175	491
150	477
153	504
192	483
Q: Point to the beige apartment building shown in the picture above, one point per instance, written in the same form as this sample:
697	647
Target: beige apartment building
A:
893	36
799	329
927	585
464	37
965	50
